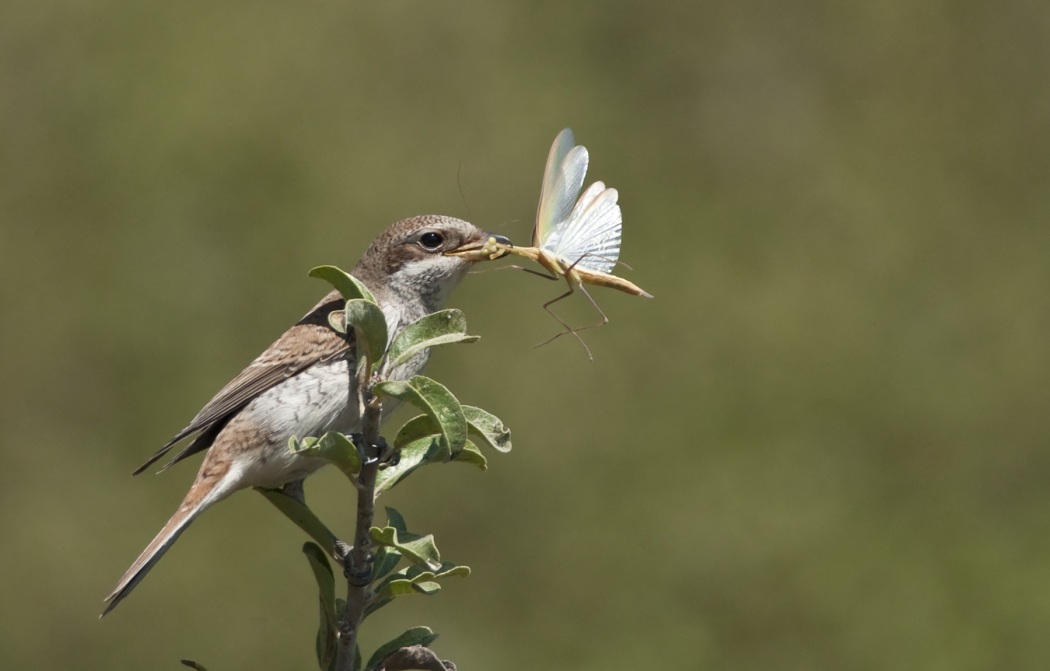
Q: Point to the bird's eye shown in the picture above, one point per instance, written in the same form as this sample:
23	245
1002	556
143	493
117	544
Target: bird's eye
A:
431	240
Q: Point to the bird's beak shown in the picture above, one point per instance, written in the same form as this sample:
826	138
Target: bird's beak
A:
490	249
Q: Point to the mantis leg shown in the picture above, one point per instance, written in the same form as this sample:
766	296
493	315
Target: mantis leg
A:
546	276
569	329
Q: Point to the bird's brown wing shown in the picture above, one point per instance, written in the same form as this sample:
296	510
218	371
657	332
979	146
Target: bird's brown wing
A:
308	342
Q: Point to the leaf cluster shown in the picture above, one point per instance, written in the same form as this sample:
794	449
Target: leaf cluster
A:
405	564
402	563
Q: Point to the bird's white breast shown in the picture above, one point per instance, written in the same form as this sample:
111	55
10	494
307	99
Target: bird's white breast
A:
307	404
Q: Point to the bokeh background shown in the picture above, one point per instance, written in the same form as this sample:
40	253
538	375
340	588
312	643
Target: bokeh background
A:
823	445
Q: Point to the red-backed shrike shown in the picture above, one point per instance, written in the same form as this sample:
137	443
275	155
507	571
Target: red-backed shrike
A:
301	384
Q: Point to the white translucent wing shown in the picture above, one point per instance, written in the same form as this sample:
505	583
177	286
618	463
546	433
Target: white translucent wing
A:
590	236
567	225
562	181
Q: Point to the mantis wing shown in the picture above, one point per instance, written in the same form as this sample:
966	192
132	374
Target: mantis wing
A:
562	181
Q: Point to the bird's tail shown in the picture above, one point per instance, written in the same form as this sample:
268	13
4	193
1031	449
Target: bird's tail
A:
201	496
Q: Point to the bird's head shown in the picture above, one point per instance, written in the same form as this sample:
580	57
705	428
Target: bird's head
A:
422	259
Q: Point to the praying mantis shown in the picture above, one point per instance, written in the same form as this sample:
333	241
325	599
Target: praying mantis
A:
577	236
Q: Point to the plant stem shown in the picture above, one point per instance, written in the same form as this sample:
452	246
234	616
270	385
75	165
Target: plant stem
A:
358	564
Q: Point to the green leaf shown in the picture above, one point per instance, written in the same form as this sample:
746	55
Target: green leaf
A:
387	559
337	320
456	571
434	399
346	284
420	426
410	457
322	574
416	580
302	517
396	519
482	426
412	580
438	328
447	570
326	633
417	549
391	589
369	325
424	446
395	588
334	448
470	454
415	636
488	428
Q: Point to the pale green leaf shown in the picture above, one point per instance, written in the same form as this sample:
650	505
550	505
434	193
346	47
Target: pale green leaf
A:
405	587
396	519
326	633
369	325
302	517
395	588
420	426
438	328
413	580
434	399
346	284
334	448
488	428
423	450
446	570
387	559
337	320
417	549
470	454
410	457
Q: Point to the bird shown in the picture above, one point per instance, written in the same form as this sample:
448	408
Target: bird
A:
301	384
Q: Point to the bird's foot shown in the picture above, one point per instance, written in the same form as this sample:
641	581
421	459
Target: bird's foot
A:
356	575
380	452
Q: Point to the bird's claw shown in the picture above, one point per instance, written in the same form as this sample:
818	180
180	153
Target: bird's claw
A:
358	576
342	552
380	452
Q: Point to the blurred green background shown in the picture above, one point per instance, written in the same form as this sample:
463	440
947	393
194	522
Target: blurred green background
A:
821	446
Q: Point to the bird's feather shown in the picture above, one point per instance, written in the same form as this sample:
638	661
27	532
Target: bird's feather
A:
310	341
